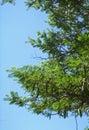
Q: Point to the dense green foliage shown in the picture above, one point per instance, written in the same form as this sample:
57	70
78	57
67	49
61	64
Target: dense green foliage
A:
59	85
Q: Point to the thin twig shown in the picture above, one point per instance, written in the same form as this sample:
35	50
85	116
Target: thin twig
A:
42	58
76	122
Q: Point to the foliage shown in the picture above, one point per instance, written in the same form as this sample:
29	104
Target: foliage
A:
59	85
86	128
8	1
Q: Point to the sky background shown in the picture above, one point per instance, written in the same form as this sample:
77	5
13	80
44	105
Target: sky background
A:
16	25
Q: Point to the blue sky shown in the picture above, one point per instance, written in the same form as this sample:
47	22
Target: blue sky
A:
16	25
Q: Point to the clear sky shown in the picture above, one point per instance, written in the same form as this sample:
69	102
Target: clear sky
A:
16	25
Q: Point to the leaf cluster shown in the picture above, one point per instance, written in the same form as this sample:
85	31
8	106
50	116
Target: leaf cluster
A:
59	85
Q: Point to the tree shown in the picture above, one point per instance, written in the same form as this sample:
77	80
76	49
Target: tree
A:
59	85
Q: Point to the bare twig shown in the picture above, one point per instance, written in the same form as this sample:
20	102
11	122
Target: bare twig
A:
76	122
42	58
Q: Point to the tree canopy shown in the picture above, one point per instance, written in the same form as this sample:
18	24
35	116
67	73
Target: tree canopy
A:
60	84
